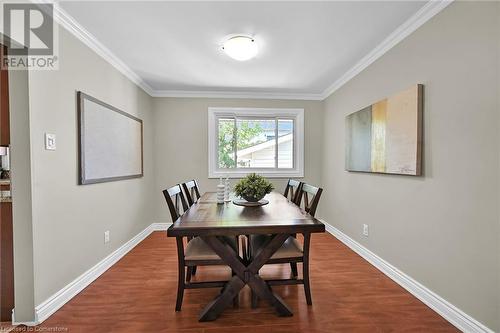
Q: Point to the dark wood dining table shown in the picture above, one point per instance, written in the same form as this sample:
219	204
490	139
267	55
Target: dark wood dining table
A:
209	220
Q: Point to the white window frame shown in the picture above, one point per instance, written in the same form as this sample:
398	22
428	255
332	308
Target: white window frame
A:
214	113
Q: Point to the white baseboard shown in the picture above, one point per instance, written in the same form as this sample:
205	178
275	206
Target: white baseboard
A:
56	301
448	311
160	226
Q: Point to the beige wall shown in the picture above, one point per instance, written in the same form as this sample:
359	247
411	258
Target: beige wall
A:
69	220
181	148
21	192
441	229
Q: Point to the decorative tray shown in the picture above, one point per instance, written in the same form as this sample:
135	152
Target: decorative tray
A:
243	202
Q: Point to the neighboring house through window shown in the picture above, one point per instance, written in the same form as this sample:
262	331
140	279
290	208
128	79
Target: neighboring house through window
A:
266	141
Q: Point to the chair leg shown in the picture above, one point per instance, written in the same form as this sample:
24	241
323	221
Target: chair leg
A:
244	248
254	296
307	286
189	273
180	288
295	273
305	269
193	271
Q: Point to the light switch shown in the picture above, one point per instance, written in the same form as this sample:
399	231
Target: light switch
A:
50	141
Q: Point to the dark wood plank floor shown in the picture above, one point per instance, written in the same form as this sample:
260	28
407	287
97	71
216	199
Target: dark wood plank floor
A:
349	295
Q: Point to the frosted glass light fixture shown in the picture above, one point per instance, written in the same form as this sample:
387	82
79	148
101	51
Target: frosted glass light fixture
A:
241	48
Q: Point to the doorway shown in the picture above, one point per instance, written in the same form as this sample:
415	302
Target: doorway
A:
6	230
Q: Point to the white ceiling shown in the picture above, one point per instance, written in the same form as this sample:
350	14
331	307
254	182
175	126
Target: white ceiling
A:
304	46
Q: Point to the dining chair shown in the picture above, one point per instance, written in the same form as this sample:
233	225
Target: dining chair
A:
195	253
174	205
192	191
310	195
291	251
292	190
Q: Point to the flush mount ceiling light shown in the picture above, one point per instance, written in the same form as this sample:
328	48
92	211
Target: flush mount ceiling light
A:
241	48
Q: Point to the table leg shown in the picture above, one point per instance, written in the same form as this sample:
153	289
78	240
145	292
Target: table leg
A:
245	274
224	300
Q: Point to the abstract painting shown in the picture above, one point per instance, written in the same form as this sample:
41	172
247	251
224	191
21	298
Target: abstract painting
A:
386	137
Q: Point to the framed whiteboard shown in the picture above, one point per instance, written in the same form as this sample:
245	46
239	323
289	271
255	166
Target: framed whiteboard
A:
110	142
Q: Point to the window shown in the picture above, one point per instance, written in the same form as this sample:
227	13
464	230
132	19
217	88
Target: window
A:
266	141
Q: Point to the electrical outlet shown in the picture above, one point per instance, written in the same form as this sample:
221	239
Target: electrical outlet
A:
365	230
106	237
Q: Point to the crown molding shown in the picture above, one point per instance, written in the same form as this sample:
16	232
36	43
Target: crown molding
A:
70	24
423	15
428	11
236	94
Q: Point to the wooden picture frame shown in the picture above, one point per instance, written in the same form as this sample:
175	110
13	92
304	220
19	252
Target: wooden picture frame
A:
99	142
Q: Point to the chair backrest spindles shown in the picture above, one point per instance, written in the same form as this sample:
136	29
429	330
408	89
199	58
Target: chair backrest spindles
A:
192	191
175	192
292	190
310	195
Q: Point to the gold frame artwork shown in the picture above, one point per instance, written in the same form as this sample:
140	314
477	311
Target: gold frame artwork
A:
386	137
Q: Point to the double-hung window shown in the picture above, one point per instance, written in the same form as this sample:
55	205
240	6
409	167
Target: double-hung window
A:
269	142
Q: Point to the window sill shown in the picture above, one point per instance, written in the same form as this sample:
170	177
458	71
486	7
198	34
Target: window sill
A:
264	173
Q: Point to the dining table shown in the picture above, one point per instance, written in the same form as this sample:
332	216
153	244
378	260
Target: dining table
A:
210	220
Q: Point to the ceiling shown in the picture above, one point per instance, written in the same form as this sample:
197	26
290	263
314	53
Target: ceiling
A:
173	48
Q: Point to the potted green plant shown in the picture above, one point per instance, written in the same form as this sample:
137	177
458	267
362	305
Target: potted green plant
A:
253	187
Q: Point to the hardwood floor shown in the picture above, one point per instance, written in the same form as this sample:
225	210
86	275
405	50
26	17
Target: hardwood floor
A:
349	295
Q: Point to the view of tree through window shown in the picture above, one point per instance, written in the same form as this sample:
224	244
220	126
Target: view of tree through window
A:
226	143
255	143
